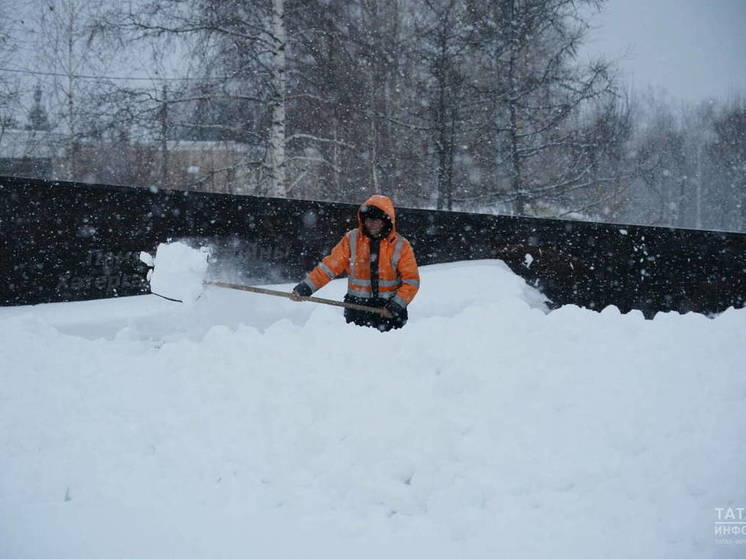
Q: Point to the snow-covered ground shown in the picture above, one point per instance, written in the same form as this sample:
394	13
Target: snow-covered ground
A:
251	426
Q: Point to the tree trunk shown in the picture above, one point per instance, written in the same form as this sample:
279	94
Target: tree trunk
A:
278	180
164	139
73	153
441	140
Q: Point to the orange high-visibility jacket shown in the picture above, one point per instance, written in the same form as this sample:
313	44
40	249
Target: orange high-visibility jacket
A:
398	276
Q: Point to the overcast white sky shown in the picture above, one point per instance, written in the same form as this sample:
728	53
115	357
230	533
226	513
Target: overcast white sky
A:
694	49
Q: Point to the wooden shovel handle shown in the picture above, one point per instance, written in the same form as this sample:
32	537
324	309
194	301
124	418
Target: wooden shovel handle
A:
265	291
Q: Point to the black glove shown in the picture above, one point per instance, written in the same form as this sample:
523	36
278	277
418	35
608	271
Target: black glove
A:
395	309
303	290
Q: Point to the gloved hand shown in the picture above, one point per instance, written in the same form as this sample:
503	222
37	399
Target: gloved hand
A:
300	290
395	309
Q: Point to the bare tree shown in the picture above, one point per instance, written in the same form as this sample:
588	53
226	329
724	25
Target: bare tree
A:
8	88
63	48
353	84
535	87
278	71
251	80
444	48
602	138
728	156
661	156
246	41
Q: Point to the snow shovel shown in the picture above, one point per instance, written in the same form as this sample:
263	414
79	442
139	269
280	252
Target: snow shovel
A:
181	253
264	291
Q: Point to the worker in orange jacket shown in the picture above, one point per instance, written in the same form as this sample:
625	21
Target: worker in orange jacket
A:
381	267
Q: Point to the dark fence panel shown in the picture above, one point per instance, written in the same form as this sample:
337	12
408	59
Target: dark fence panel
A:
66	241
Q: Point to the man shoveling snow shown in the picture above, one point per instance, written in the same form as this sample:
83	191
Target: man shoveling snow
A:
381	267
383	274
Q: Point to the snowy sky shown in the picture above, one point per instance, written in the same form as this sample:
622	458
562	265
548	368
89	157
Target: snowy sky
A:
694	49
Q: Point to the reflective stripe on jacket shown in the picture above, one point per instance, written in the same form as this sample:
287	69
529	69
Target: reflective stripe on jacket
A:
398	277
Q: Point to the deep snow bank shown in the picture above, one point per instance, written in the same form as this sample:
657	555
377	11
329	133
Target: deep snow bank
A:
251	426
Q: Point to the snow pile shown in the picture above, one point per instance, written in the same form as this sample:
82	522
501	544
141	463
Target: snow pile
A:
253	426
179	271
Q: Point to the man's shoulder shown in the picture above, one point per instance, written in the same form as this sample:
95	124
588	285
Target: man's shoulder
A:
398	237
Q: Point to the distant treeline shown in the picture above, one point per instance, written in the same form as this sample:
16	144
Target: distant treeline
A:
450	104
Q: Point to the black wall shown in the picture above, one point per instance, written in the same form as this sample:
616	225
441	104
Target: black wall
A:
67	241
